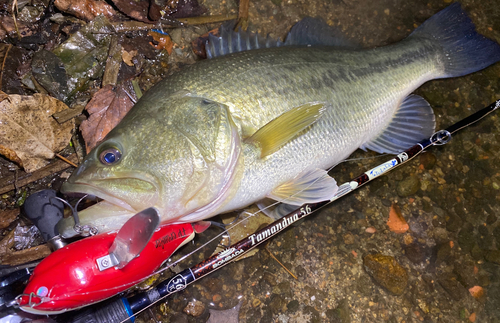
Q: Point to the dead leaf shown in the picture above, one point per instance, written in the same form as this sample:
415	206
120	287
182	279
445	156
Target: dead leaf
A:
7	217
108	106
145	11
128	56
28	133
397	222
85	9
7	242
24	256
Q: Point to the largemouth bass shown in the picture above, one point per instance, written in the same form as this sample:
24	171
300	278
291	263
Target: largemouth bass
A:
267	123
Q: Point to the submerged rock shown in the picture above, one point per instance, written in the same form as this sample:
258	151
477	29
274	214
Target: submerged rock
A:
408	186
387	272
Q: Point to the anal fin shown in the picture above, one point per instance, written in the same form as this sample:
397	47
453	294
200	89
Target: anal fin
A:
413	122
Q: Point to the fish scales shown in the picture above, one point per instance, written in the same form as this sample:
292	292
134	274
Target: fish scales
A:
268	122
363	110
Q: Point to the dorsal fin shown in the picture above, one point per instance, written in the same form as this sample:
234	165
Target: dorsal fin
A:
307	32
231	41
315	32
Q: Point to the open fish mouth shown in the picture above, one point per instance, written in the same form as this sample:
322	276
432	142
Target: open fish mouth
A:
78	189
109	214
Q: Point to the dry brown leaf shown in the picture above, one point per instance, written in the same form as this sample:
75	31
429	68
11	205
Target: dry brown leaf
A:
108	106
28	133
128	56
7	217
27	255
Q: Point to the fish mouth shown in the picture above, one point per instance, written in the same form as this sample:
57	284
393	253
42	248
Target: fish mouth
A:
81	189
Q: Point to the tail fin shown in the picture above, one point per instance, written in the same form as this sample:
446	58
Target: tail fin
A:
465	51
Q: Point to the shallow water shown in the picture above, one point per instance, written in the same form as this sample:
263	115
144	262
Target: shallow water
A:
454	217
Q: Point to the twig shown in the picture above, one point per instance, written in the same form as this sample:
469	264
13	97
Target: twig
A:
114	61
66	160
271	254
14	14
243	14
137	25
23	178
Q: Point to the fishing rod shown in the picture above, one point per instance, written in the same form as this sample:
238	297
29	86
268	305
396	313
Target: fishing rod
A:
125	309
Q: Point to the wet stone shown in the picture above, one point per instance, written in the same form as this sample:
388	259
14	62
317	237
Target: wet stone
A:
416	252
465	275
267	317
427	206
453	223
300	272
293	306
283	289
443	253
493	256
212	284
477	253
408	186
270	278
253	315
315	294
340	314
428	160
484	238
309	310
496	234
451	285
194	308
491	218
387	272
466	237
364	286
277	304
178	318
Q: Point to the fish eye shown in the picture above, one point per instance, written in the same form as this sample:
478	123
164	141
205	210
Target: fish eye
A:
110	156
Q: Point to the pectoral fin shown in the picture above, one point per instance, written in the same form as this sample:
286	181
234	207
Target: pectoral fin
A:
285	127
309	187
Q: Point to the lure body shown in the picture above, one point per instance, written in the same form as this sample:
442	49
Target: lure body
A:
80	274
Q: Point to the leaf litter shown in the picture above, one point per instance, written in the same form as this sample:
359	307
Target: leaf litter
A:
29	135
108	106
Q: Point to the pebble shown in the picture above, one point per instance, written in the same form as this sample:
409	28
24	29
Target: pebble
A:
451	285
293	306
387	272
408	186
256	302
194	308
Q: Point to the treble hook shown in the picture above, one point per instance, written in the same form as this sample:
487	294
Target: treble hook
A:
85	230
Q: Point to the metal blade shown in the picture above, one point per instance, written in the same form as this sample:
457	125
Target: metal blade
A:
134	236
